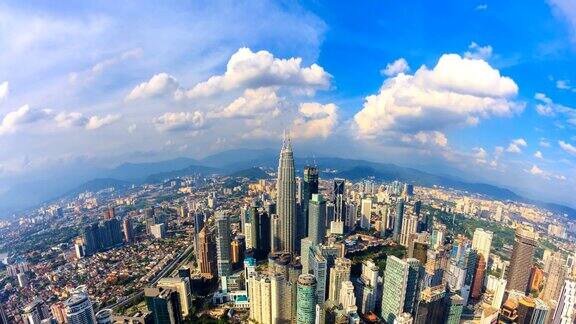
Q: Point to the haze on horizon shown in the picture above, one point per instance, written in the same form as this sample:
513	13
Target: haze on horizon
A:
476	90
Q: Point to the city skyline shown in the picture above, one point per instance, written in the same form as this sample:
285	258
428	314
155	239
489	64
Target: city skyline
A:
128	97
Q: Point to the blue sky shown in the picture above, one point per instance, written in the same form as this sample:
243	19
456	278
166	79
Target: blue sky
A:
482	90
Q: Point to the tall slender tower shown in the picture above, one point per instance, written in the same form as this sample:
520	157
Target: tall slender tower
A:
522	259
309	187
286	199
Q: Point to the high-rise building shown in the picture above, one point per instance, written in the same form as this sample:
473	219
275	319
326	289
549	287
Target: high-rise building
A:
35	311
522	259
564	312
432	306
286	199
409	227
164	305
182	287
89	236
206	253
455	308
347	298
237	249
306	300
525	309
79	309
400	287
365	213
398	220
339	273
309	187
366	287
319	268
339	200
541	312
58	312
104	316
223	245
554	278
260	298
476	288
316	219
280	298
128	229
482	242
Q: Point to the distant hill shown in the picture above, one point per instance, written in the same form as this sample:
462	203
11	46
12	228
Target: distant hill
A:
99	184
187	171
251	173
141	171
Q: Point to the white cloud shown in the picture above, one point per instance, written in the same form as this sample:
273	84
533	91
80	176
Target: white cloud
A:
254	103
434	138
566	9
478	52
98	68
4	90
538	155
180	121
548	108
131	128
567	147
398	66
161	84
24	115
544	143
96	122
563	84
480	155
315	120
515	145
537	171
72	119
482	7
457	91
247	69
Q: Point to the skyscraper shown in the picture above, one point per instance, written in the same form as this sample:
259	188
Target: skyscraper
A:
365	213
182	287
476	289
128	229
339	201
554	278
309	187
398	220
35	311
286	199
522	259
400	287
409	227
79	309
164	305
482	242
339	273
206	253
223	245
306	300
565	308
317	219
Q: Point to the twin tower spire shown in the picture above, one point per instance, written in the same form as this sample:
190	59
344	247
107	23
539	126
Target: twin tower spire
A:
285	241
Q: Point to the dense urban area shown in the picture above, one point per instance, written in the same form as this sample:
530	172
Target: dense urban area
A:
286	246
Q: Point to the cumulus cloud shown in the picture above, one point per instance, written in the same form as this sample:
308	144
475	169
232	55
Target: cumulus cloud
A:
538	155
457	91
4	90
548	108
563	84
476	51
24	115
247	69
315	120
72	119
96	122
254	103
480	155
180	121
567	147
398	66
435	138
537	171
516	145
159	85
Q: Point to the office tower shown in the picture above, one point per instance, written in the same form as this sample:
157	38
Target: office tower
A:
339	200
541	312
319	268
400	287
115	229
223	245
346	297
206	253
286	199
338	274
476	288
351	215
237	248
455	308
280	298
365	213
250	226
35	312
565	308
309	187
409	227
554	278
89	236
438	235
317	219
104	316
79	309
198	222
522	258
431	306
482	242
525	309
498	288
260	298
398	220
128	229
182	287
158	231
164	305
306	300
366	287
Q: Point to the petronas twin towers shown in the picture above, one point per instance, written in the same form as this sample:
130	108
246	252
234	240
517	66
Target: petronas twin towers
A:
286	199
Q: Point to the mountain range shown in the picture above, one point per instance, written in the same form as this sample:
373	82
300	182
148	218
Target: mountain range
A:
251	163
